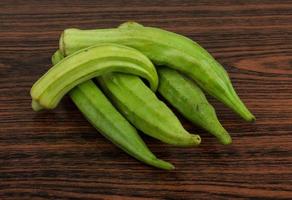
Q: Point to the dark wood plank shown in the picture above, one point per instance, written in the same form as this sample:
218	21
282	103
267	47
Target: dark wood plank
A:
58	155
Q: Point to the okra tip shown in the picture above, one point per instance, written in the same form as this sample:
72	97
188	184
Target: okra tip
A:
130	24
246	114
196	139
252	118
36	106
235	103
225	140
162	164
188	140
57	57
62	44
219	132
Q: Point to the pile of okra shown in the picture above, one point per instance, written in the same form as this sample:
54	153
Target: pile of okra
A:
113	76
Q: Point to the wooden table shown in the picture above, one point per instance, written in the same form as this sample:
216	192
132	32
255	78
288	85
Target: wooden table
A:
58	155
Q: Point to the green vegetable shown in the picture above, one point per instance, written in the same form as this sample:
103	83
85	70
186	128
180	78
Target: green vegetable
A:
144	110
164	48
86	64
190	101
109	122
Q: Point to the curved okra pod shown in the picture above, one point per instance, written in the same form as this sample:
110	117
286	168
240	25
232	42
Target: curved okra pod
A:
164	48
86	64
144	110
182	93
109	122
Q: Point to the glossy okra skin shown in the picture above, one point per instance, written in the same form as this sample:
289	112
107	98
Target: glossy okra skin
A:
98	110
164	48
182	93
144	110
86	64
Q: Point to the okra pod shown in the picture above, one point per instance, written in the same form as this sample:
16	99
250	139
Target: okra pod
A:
164	48
182	93
86	64
144	110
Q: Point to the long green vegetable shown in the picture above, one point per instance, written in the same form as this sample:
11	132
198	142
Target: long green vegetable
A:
86	64
164	48
190	101
144	110
109	122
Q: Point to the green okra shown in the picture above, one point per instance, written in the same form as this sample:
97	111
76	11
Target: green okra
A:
164	48
109	122
86	64
182	93
144	110
112	125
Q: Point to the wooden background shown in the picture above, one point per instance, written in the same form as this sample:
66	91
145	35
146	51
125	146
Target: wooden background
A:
58	155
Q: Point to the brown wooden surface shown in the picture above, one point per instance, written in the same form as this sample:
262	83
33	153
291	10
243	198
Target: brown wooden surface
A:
58	155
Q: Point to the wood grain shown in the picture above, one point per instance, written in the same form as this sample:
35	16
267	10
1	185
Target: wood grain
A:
58	155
